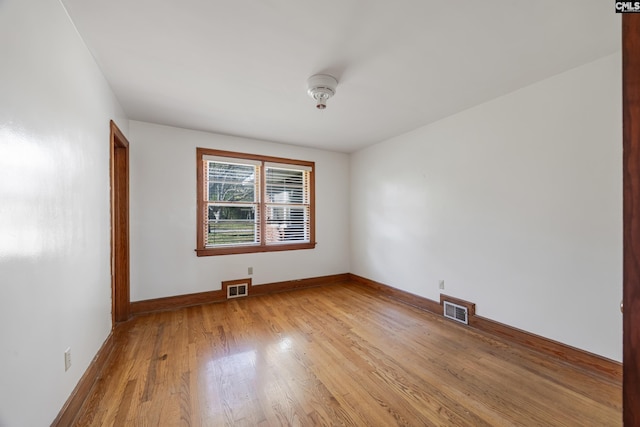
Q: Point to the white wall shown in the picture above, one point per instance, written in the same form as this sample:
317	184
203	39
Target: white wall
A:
163	216
55	285
516	204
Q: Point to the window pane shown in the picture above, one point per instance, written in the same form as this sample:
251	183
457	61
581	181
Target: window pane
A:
231	225
285	186
287	224
231	182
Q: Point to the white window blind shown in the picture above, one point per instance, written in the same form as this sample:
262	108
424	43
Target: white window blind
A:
287	204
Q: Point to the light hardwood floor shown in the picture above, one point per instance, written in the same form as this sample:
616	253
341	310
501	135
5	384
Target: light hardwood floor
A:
334	355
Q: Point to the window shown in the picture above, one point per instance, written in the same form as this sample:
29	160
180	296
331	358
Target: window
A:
250	203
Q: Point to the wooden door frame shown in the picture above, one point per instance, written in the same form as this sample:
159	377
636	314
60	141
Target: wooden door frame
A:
119	176
631	215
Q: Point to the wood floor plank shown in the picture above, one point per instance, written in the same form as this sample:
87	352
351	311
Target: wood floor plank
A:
334	355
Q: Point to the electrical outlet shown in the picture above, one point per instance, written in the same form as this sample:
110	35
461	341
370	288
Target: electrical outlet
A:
250	270
441	284
67	359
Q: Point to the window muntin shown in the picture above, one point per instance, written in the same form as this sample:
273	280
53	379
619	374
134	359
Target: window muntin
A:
249	203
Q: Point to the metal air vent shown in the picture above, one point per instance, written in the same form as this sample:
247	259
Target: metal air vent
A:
236	291
456	312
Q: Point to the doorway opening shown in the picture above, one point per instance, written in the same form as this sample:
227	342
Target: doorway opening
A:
119	165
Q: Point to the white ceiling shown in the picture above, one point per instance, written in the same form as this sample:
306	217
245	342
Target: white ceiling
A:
240	67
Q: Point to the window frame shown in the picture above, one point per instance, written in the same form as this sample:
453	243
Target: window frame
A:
261	246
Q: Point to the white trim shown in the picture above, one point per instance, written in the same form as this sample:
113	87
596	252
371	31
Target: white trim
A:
287	166
232	160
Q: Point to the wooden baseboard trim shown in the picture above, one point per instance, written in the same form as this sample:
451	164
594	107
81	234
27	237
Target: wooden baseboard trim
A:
71	409
289	285
180	301
574	356
402	296
175	302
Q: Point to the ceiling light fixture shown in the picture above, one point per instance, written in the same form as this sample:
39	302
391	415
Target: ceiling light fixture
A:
321	87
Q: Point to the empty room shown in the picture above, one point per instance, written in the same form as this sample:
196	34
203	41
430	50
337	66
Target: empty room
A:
362	213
